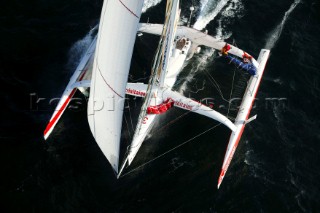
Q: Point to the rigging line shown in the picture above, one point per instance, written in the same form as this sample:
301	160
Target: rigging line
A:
127	126
231	91
170	150
136	80
124	160
173	121
216	85
130	117
169	124
196	85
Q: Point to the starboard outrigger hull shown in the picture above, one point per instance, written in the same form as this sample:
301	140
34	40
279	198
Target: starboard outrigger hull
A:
244	112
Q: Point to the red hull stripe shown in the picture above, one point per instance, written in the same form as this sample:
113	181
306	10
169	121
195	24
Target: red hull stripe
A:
241	131
63	107
60	111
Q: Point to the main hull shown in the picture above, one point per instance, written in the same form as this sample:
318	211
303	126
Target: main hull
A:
177	58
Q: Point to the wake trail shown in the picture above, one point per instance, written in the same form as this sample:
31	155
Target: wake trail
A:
149	3
79	48
250	158
271	42
208	11
276	32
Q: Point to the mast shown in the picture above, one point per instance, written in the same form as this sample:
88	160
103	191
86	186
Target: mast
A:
117	32
171	28
191	12
157	77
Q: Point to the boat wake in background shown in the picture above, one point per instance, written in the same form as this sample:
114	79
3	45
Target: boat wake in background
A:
276	33
79	48
257	164
208	11
271	42
149	3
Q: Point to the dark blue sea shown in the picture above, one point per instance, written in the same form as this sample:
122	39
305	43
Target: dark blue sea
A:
275	168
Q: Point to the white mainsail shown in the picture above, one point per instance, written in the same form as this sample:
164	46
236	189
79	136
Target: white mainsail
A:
117	32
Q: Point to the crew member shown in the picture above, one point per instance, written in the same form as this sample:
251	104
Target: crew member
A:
246	57
225	49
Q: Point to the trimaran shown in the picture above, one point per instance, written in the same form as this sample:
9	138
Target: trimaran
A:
105	68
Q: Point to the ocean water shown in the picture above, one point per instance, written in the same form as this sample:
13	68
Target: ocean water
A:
276	165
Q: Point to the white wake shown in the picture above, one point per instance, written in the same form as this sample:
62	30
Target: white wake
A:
276	32
149	3
208	11
79	48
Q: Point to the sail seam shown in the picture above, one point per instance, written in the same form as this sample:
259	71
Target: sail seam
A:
109	84
129	9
